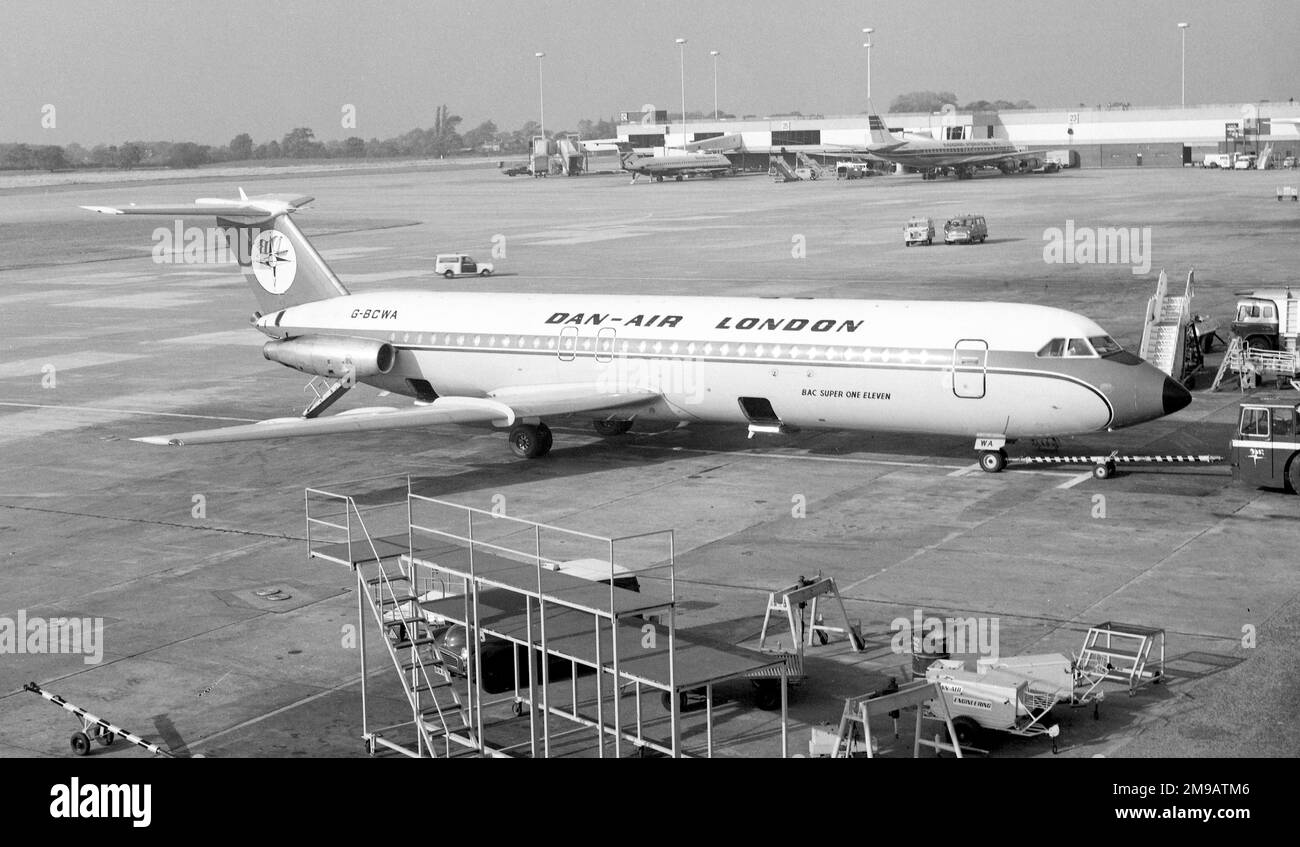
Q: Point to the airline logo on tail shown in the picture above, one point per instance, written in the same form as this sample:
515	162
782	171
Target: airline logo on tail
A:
274	261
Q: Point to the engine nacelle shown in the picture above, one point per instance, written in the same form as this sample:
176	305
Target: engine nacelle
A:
333	356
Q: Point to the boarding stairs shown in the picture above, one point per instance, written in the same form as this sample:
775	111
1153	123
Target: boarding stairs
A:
815	170
336	531
1165	334
780	170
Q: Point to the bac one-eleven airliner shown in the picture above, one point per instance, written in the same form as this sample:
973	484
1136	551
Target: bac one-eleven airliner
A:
994	372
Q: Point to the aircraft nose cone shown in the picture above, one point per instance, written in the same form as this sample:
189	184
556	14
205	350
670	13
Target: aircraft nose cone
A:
1174	396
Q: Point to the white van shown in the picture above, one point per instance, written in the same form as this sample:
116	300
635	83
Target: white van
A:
459	264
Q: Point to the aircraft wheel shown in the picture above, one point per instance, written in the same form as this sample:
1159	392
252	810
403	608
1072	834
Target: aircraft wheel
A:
525	441
611	428
1105	470
448	274
993	461
80	743
106	739
546	437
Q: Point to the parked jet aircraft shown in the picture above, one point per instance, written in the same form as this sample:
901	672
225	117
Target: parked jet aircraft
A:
675	165
934	157
994	372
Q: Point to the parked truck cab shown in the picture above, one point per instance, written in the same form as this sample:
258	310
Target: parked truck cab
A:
1265	452
1256	321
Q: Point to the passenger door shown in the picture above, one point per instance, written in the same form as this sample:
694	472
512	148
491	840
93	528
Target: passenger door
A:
969	363
1252	450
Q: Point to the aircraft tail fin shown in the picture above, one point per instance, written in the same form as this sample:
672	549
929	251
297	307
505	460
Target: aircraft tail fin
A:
279	263
880	133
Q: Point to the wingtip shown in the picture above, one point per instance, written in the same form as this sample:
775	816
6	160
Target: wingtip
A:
161	440
103	210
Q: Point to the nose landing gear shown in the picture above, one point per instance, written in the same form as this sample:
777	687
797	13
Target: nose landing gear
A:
993	461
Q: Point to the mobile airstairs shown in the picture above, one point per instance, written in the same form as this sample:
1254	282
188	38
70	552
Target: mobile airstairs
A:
1169	335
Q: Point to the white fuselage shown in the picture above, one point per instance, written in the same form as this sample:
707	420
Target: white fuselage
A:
956	368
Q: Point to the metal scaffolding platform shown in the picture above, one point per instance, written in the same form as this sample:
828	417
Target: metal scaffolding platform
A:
503	579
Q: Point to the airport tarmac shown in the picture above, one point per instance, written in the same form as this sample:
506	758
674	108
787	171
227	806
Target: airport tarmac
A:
170	547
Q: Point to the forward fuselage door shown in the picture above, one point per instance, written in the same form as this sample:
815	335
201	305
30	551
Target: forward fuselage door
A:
969	362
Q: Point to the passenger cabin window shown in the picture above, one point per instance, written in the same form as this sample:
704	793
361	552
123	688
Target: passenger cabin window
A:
1254	422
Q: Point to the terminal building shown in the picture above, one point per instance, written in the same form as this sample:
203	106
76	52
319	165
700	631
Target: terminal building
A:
1163	137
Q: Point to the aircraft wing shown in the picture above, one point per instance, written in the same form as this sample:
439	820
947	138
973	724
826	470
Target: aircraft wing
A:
502	408
260	206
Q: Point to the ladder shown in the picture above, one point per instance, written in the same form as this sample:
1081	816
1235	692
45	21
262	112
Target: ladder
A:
384	570
1231	361
1121	652
410	638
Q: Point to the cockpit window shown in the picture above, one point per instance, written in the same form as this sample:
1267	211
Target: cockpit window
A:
1054	348
1078	347
1105	345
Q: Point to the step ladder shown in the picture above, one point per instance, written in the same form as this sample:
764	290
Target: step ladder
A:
437	712
1231	362
1121	652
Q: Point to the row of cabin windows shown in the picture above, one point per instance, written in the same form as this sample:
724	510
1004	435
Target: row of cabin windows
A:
1097	345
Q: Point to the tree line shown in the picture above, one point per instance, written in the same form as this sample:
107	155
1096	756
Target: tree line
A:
440	140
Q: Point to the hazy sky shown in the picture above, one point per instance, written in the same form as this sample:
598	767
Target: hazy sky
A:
205	71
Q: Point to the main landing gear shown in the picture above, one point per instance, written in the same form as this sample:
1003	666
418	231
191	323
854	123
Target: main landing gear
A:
530	441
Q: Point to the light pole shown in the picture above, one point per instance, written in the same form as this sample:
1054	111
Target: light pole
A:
714	54
1183	28
681	42
867	32
541	95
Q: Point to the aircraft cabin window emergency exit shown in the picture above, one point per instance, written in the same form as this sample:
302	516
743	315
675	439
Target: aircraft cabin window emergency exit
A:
568	346
969	363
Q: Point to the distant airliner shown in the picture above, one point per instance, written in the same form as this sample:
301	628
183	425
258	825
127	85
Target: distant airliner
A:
675	165
994	372
934	157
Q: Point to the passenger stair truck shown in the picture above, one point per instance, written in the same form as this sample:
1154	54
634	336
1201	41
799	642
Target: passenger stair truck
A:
806	164
1169	335
780	169
1265	337
573	158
